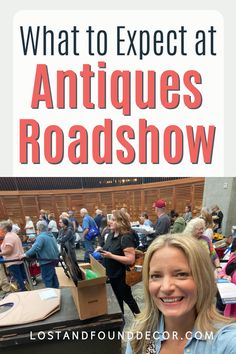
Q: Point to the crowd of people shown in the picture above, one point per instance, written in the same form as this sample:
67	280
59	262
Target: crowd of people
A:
179	271
43	240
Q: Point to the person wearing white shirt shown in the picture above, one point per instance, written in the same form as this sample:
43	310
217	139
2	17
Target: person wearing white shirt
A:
29	228
52	226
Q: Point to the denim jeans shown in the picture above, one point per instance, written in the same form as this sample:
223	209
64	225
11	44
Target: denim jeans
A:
18	272
49	275
89	249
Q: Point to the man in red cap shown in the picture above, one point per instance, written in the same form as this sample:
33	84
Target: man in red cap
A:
162	225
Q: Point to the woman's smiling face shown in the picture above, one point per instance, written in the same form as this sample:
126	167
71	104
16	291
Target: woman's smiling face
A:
171	284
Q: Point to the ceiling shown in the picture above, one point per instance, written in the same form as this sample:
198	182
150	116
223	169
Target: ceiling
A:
52	183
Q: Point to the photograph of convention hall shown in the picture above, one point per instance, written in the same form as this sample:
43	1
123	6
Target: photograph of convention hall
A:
58	233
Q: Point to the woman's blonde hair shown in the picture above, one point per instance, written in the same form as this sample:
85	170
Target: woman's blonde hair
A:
200	265
207	217
122	221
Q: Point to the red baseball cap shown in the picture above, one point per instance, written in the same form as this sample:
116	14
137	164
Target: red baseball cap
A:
160	203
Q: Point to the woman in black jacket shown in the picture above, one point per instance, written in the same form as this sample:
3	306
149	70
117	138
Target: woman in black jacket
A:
66	237
119	252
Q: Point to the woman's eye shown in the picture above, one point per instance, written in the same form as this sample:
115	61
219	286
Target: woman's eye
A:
155	276
182	275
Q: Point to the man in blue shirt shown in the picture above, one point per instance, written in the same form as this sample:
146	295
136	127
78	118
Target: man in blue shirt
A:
46	250
87	225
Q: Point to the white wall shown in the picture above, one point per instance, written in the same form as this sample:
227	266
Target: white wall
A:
222	191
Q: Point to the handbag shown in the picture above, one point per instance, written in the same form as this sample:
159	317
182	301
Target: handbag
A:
93	232
133	276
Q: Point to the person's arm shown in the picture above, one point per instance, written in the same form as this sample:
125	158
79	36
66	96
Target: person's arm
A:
85	227
214	256
158	228
212	252
67	236
7	250
222	275
85	232
37	246
216	260
128	258
28	227
217	264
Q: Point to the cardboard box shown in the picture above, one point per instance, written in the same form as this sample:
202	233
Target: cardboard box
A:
90	295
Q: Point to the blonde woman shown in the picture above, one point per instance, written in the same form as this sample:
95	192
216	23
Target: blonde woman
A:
207	217
179	314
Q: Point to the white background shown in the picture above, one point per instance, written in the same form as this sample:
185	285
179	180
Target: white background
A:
210	67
